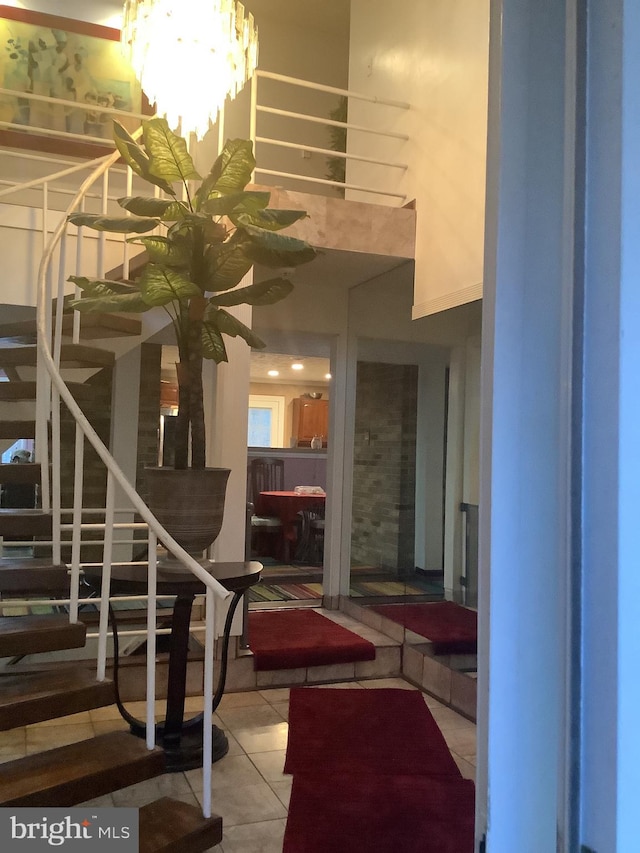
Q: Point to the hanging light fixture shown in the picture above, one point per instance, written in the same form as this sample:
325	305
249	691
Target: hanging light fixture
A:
189	55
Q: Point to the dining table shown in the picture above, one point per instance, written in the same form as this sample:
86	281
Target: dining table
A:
287	506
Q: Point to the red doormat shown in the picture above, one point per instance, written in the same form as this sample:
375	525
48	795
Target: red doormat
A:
384	731
289	639
452	629
385	814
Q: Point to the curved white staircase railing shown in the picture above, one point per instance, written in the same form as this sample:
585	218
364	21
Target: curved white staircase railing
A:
52	389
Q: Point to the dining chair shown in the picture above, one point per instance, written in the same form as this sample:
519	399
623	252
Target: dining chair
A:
265	474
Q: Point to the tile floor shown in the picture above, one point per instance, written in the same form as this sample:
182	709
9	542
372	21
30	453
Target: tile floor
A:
250	790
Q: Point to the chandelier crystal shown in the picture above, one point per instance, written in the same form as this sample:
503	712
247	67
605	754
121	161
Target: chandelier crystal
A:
189	55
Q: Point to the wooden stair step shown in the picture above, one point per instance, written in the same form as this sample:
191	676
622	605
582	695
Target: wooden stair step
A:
24	522
28	472
92	327
29	635
34	697
71	356
32	575
171	826
17	429
78	772
27	390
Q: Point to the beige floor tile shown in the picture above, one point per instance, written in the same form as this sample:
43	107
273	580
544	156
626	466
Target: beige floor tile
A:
105	726
49	737
7	754
263	738
277	695
241	700
467	769
72	720
172	785
105	802
282	708
400	683
109	712
271	764
460	742
246	804
232	770
13	739
282	790
264	837
253	715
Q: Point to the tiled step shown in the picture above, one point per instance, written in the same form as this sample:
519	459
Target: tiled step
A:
28	576
388	663
27	635
33	697
71	356
25	522
79	772
171	826
25	473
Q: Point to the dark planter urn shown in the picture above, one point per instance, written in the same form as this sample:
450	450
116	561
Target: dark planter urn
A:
189	504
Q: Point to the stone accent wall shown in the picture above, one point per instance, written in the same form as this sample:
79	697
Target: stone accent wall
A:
384	467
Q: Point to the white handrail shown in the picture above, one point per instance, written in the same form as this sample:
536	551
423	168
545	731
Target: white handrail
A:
333	90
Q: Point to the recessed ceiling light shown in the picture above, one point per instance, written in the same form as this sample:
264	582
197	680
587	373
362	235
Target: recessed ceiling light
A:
273	373
327	376
297	366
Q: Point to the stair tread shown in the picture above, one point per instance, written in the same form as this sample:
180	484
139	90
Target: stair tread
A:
71	356
170	826
80	771
20	635
45	695
27	390
29	575
92	327
17	429
28	472
24	522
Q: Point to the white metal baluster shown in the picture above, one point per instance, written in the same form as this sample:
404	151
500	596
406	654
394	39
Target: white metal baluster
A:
127	246
107	554
57	335
221	125
55	471
151	640
79	261
253	115
76	534
43	382
207	719
102	238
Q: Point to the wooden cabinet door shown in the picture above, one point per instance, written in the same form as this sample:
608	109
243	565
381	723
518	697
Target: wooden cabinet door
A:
310	417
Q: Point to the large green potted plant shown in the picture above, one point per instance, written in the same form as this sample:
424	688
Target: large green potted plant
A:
212	232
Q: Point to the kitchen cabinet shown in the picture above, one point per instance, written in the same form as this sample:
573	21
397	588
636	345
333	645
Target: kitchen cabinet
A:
310	417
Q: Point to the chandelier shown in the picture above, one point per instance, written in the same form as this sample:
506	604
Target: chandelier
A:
189	55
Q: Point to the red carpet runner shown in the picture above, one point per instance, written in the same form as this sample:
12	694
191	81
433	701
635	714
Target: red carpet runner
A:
373	772
452	629
289	639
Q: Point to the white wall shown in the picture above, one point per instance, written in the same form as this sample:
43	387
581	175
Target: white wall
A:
435	56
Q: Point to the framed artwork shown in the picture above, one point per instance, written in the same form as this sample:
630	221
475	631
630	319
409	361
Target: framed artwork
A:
61	58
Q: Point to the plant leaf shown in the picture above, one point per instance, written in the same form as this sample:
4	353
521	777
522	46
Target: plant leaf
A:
116	224
161	250
244	202
277	250
168	155
99	287
227	265
160	285
130	303
261	293
166	209
135	157
212	343
270	219
232	170
230	325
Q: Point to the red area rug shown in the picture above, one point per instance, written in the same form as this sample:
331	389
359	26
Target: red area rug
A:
289	639
385	731
385	814
452	629
372	772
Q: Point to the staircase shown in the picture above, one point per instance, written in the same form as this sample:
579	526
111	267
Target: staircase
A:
45	543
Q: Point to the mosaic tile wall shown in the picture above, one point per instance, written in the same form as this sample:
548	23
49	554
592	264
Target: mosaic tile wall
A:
384	467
